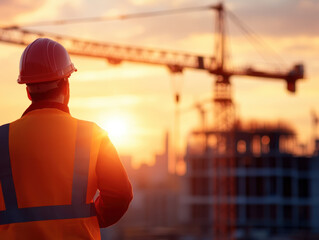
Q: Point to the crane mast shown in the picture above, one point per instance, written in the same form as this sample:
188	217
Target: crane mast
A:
223	186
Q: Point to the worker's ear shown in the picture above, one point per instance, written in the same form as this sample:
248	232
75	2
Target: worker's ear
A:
29	96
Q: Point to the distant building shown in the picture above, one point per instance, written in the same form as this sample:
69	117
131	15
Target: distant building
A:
248	183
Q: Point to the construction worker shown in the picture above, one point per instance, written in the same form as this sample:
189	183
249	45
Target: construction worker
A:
51	164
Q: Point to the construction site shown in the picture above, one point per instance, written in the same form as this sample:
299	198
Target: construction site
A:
241	180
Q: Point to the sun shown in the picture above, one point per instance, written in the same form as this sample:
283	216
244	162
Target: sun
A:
116	127
121	130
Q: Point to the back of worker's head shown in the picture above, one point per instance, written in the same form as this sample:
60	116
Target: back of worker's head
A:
49	91
45	67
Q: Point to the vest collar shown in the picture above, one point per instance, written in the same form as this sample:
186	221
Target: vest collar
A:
46	104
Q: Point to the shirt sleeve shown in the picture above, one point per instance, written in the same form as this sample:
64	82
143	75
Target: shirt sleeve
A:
113	184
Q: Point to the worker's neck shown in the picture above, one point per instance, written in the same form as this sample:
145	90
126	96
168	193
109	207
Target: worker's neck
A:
47	104
59	99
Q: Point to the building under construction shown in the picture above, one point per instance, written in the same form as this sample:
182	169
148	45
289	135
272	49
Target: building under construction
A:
248	183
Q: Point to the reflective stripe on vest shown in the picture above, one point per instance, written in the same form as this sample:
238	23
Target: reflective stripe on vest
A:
77	209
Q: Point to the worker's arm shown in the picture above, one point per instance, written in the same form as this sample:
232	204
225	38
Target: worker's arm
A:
114	185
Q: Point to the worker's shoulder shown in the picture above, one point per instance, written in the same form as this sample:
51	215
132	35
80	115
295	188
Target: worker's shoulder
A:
87	123
97	130
4	125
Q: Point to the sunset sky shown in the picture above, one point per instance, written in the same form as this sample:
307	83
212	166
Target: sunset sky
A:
137	99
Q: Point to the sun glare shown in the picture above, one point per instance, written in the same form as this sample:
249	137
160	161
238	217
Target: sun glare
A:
116	128
121	128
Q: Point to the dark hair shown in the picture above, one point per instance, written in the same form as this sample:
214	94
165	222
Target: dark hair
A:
49	94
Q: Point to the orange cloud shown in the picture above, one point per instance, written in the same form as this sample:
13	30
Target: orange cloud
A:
9	9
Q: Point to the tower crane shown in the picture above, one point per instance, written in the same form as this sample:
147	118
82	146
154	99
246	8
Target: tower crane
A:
177	62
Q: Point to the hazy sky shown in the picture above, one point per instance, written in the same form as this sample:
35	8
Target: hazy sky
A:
140	97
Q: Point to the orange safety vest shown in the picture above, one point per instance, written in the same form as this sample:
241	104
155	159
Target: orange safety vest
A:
48	177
